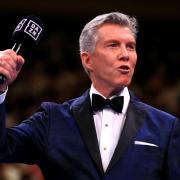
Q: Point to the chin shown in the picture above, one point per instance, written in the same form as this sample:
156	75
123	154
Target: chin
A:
124	83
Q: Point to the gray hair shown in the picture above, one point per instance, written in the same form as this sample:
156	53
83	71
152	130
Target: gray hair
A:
88	37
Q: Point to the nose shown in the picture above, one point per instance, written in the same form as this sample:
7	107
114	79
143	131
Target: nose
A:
123	53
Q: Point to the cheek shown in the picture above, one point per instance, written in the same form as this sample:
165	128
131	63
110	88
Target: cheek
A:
104	63
133	61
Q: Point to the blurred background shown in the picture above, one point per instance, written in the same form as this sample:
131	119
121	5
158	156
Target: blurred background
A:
53	71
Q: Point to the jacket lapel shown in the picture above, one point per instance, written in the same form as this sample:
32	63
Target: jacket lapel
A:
81	109
133	122
83	114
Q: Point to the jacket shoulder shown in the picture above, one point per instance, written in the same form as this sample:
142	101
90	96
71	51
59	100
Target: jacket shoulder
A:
151	110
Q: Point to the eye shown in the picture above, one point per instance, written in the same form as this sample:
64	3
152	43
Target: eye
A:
113	44
131	46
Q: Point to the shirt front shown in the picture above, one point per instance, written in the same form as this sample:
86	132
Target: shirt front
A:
109	125
3	96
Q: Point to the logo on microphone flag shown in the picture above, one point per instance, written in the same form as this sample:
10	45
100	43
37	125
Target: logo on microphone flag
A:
20	25
33	29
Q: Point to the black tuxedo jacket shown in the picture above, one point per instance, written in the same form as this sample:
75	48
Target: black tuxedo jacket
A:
61	140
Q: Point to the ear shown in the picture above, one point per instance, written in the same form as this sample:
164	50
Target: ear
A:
86	60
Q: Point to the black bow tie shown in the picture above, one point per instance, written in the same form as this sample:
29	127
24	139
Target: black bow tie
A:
99	103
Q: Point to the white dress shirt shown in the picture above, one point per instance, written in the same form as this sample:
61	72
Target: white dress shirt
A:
109	125
3	96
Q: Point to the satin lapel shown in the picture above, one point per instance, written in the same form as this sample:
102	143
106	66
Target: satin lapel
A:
133	122
84	118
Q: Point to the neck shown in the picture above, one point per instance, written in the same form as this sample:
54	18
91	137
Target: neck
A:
107	91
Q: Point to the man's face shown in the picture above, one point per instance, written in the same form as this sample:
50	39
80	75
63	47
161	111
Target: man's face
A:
112	63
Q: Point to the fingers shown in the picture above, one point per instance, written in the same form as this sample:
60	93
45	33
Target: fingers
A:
10	64
19	63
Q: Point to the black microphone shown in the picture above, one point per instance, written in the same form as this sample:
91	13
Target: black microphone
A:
26	36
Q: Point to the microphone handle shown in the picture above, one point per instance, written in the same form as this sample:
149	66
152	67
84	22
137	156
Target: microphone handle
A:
16	48
2	79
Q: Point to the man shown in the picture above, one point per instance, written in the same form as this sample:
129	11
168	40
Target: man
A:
92	137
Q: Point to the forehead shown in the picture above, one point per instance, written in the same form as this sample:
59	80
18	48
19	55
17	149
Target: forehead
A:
111	31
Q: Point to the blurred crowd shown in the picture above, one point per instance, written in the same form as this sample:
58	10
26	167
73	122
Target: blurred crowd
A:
53	72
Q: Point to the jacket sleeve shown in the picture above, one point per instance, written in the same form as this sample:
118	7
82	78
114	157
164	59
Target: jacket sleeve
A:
26	142
173	155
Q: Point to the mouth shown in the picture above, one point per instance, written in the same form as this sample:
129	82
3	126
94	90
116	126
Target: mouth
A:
124	69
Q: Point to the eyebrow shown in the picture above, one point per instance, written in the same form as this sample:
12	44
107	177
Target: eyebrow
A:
116	41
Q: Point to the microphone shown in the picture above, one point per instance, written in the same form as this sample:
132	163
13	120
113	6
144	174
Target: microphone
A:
26	36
